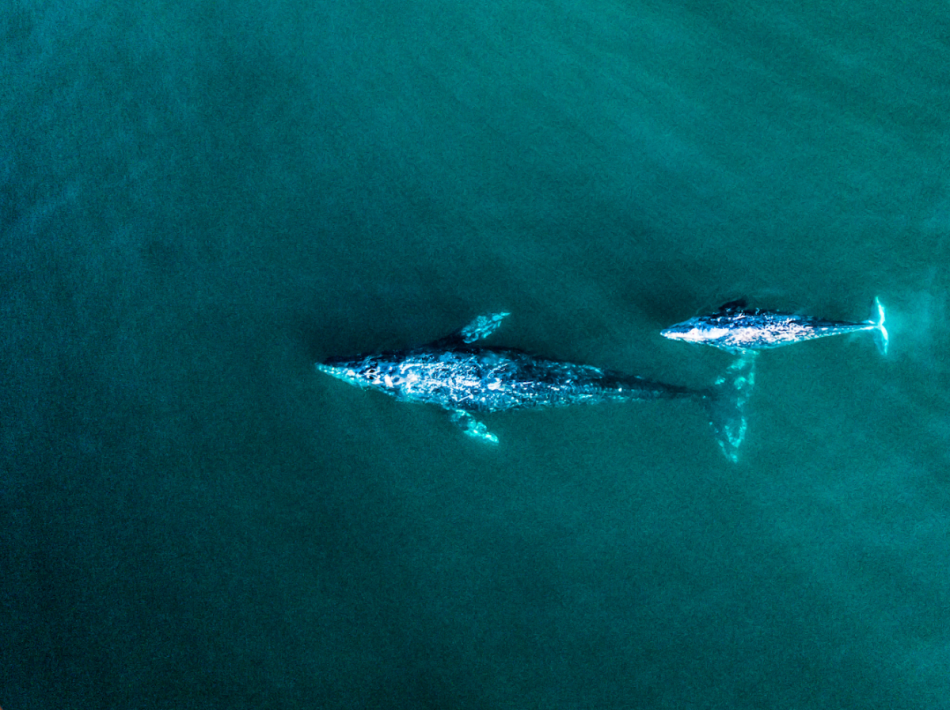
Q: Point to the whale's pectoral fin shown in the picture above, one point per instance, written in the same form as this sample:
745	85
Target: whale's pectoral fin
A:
482	327
726	404
478	329
470	426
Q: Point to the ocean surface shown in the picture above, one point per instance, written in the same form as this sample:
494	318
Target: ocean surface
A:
199	200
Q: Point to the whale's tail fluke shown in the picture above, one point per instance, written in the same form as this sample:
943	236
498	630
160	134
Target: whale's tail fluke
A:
726	403
880	332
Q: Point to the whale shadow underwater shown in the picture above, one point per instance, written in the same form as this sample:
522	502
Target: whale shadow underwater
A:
465	377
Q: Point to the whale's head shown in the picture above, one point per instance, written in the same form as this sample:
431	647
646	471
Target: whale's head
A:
362	372
680	331
366	371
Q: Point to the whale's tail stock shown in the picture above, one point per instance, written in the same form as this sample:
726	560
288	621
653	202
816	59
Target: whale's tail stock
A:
726	402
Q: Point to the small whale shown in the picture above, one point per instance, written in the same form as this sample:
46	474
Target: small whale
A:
736	328
465	379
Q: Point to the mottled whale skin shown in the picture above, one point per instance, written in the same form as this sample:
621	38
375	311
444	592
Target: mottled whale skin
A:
737	329
466	379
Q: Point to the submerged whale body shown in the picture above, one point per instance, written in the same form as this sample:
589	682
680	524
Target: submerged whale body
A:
736	328
466	379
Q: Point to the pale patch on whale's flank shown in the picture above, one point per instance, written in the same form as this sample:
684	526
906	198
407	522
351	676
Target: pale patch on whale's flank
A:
700	335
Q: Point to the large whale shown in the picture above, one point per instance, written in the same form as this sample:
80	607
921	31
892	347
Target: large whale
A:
737	328
465	379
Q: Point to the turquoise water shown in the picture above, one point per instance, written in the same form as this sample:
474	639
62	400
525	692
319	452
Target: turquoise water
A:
199	200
